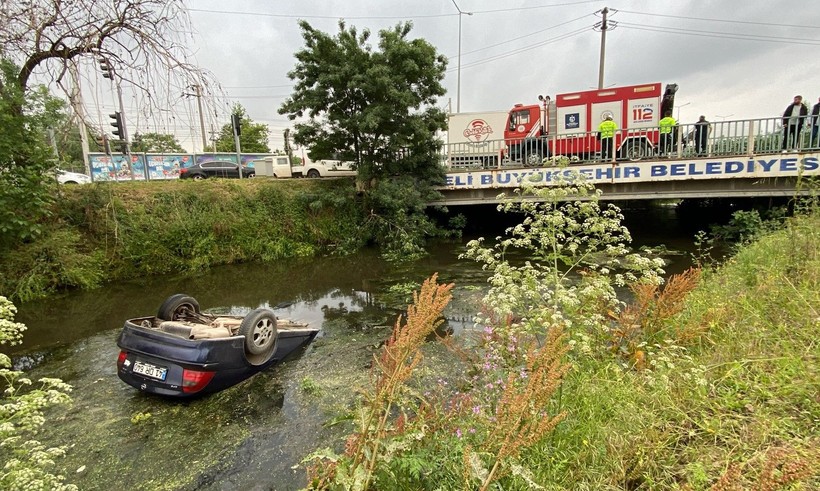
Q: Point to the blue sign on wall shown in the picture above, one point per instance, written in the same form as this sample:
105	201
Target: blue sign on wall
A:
572	121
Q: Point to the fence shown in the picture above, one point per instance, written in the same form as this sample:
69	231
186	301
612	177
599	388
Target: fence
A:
687	141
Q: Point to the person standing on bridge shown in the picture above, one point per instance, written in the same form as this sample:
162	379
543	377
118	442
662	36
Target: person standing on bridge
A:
793	118
815	124
667	127
701	135
606	131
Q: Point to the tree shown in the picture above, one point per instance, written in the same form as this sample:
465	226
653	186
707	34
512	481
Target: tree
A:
373	107
25	117
376	109
143	41
253	136
156	142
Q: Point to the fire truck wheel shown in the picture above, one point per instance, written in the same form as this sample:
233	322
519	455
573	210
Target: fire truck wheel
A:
533	157
635	150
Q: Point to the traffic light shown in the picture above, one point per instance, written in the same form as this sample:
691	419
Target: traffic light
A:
103	143
105	67
117	124
237	124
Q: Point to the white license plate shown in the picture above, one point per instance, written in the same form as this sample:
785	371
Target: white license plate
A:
149	370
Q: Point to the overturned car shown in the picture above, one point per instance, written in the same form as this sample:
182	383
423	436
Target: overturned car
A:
183	351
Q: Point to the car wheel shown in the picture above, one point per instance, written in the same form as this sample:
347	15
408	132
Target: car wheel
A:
259	329
177	307
197	177
313	174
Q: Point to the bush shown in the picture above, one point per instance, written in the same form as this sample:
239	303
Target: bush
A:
27	461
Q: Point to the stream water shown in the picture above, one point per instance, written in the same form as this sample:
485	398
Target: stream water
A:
253	435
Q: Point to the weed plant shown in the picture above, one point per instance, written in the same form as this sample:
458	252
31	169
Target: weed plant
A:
27	463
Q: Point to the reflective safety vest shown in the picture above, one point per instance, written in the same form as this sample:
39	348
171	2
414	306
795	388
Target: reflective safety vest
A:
607	128
667	123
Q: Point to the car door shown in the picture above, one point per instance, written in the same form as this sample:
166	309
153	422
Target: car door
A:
212	169
231	170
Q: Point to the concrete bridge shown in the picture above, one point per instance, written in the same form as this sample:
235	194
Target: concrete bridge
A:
743	159
728	177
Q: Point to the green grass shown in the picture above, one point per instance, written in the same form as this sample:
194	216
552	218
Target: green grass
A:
746	385
111	231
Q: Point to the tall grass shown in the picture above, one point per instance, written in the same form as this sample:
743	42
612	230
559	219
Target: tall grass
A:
110	231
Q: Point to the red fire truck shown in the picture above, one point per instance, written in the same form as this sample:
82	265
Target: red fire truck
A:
568	125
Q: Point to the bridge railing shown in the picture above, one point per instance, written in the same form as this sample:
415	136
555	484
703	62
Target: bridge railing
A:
736	138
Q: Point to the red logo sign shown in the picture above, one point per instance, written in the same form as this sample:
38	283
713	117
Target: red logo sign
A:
478	131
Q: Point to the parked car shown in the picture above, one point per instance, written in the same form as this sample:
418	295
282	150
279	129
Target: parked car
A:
183	352
67	177
215	168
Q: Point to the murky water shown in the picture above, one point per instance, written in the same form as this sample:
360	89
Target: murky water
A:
253	435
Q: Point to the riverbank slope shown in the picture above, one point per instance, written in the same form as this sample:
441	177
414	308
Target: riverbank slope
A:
111	231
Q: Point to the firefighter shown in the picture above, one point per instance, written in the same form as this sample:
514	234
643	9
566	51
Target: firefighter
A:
667	128
606	131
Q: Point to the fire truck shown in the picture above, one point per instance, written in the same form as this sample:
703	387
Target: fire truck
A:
568	125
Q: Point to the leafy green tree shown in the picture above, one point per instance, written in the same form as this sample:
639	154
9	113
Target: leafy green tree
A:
156	142
373	107
376	108
253	137
25	157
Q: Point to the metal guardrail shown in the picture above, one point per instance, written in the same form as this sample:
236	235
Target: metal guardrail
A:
738	138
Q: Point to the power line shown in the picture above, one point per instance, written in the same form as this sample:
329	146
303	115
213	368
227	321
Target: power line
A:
258	86
291	16
705	19
527	48
721	35
526	35
383	17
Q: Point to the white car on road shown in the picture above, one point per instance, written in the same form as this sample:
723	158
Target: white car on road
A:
66	177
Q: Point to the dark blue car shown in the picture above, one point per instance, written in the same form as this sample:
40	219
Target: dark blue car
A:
183	351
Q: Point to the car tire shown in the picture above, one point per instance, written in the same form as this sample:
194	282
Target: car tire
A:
197	177
259	330
313	174
176	306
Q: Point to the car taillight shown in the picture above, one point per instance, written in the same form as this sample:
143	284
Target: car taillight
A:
121	359
194	380
183	170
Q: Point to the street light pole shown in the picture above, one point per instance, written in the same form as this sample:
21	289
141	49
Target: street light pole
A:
682	105
604	28
458	87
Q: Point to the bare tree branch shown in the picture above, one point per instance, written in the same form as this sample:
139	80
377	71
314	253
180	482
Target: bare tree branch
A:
145	41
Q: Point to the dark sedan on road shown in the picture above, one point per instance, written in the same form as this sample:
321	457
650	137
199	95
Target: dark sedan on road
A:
215	168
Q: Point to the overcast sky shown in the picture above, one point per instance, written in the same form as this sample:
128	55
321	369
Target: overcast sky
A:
731	59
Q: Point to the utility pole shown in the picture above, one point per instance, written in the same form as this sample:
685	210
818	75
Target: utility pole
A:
198	93
118	117
604	28
236	122
77	104
458	89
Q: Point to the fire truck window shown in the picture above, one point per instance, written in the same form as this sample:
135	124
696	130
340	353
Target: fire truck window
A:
522	117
